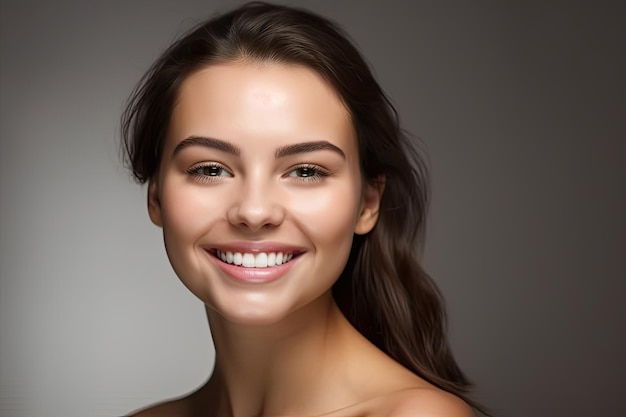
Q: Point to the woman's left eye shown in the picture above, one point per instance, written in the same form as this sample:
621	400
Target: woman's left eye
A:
308	173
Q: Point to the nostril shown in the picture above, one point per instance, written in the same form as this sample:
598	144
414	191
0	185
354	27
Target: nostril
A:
255	216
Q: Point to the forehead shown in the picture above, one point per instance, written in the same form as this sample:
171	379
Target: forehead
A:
239	101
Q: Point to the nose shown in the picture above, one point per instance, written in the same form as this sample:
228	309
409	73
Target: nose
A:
256	207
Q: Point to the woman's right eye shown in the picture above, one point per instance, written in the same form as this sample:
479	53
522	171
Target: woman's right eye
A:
208	172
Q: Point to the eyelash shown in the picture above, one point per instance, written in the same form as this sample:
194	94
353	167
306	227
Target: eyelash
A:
316	173
202	177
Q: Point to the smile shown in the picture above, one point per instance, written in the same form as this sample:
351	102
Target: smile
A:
255	260
255	263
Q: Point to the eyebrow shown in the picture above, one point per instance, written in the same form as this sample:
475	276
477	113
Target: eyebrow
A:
233	149
207	142
304	147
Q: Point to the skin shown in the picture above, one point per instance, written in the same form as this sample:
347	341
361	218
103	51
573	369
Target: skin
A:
283	348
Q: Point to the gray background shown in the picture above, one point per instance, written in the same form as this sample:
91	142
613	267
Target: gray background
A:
522	106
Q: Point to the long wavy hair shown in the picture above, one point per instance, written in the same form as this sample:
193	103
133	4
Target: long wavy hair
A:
383	291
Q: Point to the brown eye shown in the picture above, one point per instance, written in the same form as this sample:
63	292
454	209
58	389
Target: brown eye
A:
211	171
208	171
308	173
305	172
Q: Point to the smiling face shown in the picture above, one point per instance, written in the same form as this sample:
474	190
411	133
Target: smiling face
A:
259	190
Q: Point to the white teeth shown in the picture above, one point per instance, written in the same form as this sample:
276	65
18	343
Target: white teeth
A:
248	260
259	260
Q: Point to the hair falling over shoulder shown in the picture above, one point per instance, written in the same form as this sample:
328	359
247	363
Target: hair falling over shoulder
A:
383	291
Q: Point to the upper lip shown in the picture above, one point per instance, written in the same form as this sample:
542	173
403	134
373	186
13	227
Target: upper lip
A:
256	247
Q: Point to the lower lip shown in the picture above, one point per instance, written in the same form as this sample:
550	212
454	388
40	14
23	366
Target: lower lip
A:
253	275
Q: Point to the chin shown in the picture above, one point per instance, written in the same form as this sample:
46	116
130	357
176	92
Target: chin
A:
252	315
257	309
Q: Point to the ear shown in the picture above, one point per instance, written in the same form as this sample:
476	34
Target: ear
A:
370	206
154	202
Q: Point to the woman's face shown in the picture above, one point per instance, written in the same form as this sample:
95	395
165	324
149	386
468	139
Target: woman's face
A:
259	190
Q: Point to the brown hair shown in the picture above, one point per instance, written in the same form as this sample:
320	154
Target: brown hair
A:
383	291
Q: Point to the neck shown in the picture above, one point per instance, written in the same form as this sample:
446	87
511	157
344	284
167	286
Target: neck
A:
263	370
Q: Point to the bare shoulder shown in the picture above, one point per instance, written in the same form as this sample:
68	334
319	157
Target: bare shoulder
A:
428	402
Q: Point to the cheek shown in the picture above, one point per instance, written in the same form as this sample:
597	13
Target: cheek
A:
327	217
186	211
187	215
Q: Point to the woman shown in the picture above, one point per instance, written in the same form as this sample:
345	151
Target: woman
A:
291	204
